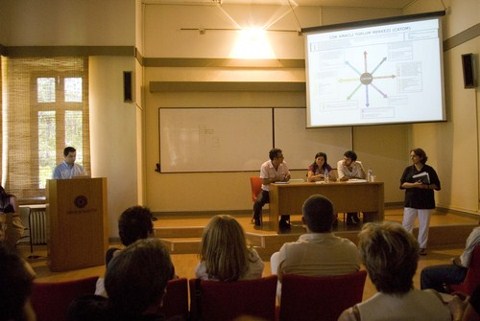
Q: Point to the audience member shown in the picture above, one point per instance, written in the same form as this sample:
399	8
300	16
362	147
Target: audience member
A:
419	181
88	308
11	226
136	281
439	276
68	168
272	171
320	170
350	168
390	255
16	279
224	253
319	251
472	310
135	223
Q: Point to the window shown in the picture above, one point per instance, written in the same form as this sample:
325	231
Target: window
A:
46	110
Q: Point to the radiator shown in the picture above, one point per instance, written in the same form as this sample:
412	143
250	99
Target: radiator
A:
37	221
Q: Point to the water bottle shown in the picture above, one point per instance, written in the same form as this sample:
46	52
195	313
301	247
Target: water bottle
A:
369	175
325	176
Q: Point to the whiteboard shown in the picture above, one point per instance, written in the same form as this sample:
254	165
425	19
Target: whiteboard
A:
214	139
300	144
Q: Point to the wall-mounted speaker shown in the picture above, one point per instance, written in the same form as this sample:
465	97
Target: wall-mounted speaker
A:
468	66
127	86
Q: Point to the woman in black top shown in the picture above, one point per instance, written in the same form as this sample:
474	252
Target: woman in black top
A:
419	181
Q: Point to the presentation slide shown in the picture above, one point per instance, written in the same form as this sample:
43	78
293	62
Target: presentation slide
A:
381	74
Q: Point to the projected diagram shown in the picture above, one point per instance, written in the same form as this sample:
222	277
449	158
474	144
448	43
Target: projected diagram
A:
366	79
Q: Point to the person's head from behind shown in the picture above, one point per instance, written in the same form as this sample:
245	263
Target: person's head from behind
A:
70	154
318	214
135	223
88	307
390	255
224	249
349	157
137	277
16	279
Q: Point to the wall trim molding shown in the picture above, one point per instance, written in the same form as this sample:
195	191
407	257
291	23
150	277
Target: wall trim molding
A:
462	37
224	62
52	51
217	86
56	51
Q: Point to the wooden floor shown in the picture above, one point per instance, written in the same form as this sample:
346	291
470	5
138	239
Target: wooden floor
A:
448	233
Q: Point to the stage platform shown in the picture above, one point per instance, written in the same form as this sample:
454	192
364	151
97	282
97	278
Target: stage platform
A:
183	233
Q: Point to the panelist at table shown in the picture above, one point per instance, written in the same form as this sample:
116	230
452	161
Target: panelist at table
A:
68	168
272	171
320	170
350	168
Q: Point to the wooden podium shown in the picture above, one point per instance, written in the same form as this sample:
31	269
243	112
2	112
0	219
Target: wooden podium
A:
76	223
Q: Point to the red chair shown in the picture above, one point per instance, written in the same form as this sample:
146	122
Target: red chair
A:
472	279
175	302
312	298
256	186
224	301
50	300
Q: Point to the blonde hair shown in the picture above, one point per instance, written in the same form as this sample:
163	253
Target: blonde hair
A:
390	255
224	249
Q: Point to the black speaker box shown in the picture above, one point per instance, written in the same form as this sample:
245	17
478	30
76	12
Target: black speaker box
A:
127	87
468	66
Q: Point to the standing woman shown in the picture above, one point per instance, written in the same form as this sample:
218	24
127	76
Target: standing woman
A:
224	254
319	169
419	181
11	227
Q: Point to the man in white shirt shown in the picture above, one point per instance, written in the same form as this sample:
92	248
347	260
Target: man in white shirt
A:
68	168
319	251
273	170
349	168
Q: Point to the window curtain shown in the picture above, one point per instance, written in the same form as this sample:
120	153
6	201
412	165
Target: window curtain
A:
36	120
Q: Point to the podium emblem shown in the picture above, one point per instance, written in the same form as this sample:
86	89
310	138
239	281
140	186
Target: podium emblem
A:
80	201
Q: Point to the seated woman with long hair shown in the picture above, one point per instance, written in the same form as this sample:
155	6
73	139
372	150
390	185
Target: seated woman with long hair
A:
320	170
225	255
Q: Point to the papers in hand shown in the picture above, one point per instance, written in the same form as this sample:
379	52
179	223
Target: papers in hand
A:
422	177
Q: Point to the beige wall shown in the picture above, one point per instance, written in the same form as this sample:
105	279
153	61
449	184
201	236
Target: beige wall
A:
114	129
231	191
453	147
118	128
69	22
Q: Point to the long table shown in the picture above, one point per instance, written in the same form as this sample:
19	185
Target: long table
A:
363	197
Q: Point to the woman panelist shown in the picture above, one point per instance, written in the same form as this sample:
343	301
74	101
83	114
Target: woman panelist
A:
320	170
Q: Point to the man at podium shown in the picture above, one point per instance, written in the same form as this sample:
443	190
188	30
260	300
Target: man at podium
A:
68	169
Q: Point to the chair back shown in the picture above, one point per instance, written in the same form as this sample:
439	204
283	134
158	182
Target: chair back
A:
309	298
256	186
50	300
472	279
175	301
224	301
